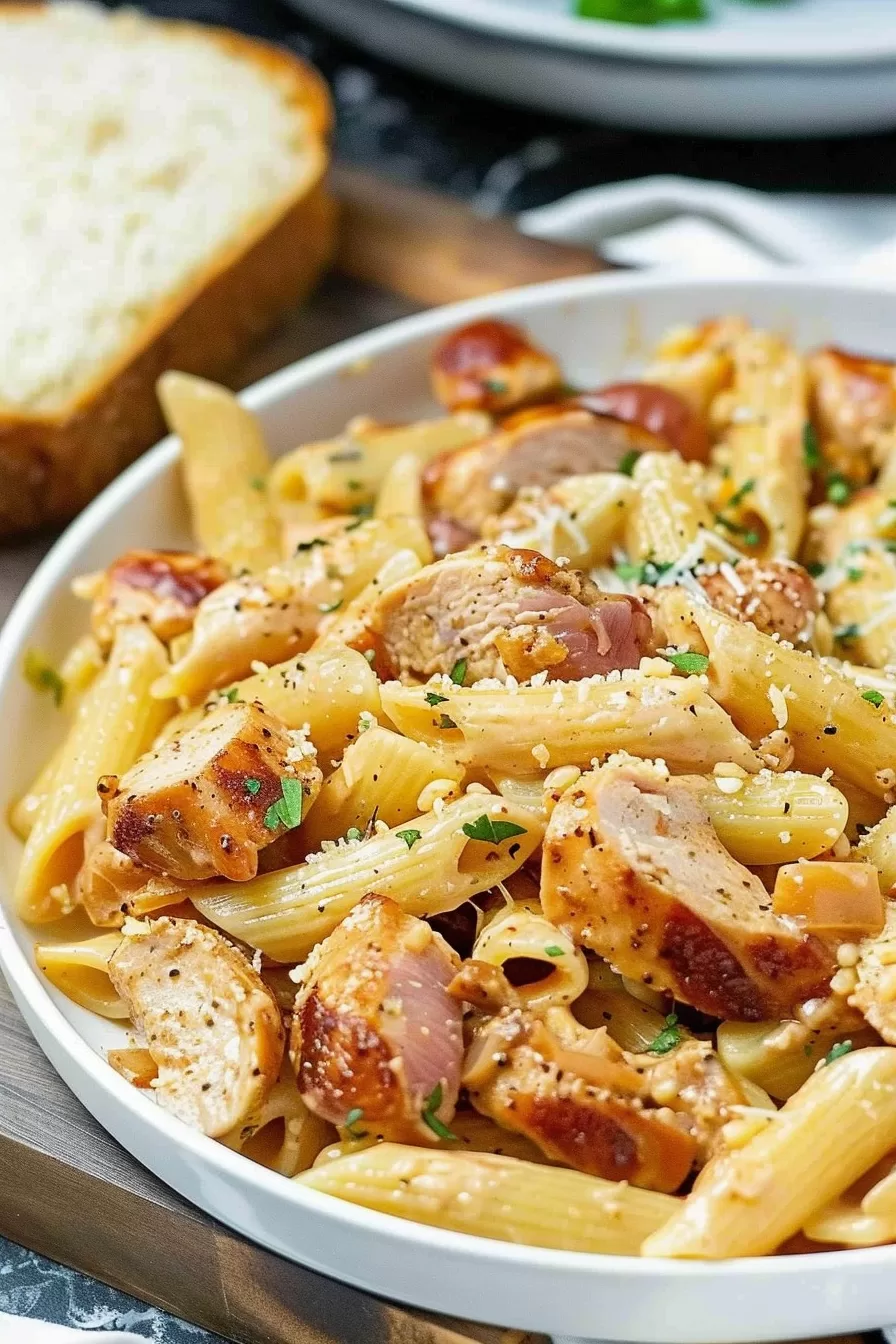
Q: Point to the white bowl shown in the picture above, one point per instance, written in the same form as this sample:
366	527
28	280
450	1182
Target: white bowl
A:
595	325
813	67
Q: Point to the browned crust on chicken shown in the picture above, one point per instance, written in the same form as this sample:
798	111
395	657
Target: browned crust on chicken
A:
507	612
199	806
634	870
854	406
374	1029
211	1026
779	597
658	410
160	588
491	366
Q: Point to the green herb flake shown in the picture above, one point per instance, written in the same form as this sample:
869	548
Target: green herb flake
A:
816	569
627	462
750	535
446	722
492	832
355	485
494	385
668	1038
327	607
433	698
874	698
838	490
649	572
811	448
740	494
257	483
410	837
847	634
231	695
459	671
252	786
354	1115
354	833
42	676
430	1106
552	950
854	574
362	511
691	663
808	1049
838	1051
287	810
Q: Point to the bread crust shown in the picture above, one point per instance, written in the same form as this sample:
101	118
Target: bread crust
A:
52	464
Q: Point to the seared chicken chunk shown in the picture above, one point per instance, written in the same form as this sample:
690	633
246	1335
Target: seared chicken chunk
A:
658	410
875	992
779	597
538	447
633	868
160	588
491	366
507	612
374	1029
854	405
210	1023
109	881
206	802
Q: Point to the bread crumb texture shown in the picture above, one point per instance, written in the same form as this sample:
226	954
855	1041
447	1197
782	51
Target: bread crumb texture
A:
130	153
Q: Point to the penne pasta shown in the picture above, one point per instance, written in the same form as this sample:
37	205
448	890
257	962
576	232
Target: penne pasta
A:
771	818
747	1202
878	846
381	777
225	467
24	812
434	867
519	940
81	971
669	512
582	518
500	1197
648	715
780	1056
115	722
606	1002
283	1135
402	489
349	626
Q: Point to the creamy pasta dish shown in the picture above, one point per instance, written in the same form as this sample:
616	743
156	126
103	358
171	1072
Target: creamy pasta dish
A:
492	821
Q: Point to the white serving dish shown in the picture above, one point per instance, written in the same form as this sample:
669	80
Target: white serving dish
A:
597	326
809	67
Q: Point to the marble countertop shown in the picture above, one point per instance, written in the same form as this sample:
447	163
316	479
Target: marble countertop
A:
503	159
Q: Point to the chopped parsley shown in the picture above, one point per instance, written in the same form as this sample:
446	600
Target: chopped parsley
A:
854	574
327	607
287	810
231	695
815	568
846	634
493	832
838	489
355	485
874	698
430	1106
552	950
627	462
362	511
811	448
740	494
41	674
838	1051
648	572
432	698
410	837
446	722
354	1115
257	483
494	385
691	663
749	534
459	671
668	1038
354	833
252	786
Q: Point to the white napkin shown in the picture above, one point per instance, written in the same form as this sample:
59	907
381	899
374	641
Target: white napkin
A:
22	1330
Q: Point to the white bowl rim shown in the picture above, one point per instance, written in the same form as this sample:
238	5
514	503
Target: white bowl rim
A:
28	987
680	44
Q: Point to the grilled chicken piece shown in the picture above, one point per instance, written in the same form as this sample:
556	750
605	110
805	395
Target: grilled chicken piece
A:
206	802
109	881
537	447
658	410
160	588
779	597
507	612
633	869
875	992
210	1024
854	406
579	1099
491	366
374	1028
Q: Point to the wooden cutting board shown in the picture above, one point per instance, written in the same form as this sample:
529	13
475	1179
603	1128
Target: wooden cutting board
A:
67	1190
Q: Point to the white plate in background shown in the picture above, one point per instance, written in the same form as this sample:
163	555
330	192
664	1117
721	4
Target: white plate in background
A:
799	67
592	324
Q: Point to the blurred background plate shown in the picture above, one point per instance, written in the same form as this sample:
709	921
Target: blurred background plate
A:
802	67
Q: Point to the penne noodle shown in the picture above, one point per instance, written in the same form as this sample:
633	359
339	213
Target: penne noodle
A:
518	940
652	716
582	518
341	474
402	489
780	1056
606	1002
349	625
775	818
878	846
81	971
669	512
499	1197
284	1135
382	776
747	1202
695	362
225	466
824	710
24	812
435	867
115	722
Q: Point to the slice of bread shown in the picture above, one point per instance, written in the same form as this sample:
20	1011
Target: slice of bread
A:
161	205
